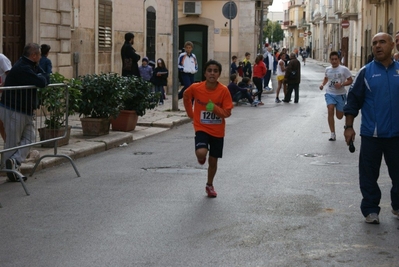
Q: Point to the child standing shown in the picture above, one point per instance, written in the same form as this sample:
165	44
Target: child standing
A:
145	70
160	79
213	104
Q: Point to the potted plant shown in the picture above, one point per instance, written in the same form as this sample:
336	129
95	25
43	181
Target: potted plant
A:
139	97
53	108
102	98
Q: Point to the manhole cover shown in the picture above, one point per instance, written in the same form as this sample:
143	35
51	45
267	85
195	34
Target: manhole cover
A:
310	155
142	153
328	163
175	170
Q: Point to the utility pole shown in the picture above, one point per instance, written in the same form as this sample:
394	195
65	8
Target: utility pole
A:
175	78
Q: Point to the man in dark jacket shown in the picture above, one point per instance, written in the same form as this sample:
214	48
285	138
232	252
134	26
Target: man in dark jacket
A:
292	78
16	106
129	57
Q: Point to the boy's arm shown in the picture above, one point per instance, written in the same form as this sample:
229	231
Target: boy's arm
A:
227	106
187	100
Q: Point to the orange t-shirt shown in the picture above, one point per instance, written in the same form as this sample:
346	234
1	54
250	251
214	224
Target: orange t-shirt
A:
213	123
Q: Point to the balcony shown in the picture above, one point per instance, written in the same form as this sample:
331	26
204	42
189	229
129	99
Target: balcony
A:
350	10
292	24
338	8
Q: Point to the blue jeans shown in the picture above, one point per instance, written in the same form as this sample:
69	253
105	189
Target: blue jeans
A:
187	79
159	88
267	77
371	151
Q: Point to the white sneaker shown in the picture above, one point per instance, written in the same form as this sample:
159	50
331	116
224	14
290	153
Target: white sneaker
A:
333	137
396	212
372	218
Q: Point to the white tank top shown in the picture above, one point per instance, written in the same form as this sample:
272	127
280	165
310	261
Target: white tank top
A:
279	71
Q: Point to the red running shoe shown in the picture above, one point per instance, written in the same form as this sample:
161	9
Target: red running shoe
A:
210	190
202	162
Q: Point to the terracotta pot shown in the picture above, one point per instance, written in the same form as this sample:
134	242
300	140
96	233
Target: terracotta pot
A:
46	134
95	126
125	122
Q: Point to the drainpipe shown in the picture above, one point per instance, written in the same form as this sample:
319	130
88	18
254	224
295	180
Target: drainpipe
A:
96	36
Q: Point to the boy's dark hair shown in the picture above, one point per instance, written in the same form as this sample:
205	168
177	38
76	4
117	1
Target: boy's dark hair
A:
246	80
233	77
234	57
213	62
334	53
129	36
247	54
44	49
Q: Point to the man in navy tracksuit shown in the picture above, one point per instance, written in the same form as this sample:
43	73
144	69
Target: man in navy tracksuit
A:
375	92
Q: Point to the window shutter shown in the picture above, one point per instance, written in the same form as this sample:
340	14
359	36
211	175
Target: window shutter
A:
105	25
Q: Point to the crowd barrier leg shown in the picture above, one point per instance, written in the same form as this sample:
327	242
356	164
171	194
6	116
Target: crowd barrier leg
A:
22	125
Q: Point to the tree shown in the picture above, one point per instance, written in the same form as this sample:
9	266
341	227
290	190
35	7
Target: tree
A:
273	31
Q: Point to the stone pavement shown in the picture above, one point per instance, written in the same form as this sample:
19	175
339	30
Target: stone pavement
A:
153	122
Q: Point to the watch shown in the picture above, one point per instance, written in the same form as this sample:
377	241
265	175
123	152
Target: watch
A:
348	126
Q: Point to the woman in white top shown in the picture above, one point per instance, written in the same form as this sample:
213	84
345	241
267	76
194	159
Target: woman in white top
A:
280	76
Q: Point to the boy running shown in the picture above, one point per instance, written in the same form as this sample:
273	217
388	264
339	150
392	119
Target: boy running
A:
213	104
336	77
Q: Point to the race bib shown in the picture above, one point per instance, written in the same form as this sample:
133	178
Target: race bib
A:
208	117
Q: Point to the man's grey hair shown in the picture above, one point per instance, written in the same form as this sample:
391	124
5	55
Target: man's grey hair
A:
292	55
31	49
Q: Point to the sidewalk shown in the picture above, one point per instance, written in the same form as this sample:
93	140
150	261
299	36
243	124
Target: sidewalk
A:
155	121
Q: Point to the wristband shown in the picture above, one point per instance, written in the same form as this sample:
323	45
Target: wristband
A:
348	126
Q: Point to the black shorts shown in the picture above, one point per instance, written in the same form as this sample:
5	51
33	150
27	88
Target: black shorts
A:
213	144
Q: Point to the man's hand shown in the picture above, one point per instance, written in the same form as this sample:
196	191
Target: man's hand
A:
349	134
210	106
321	87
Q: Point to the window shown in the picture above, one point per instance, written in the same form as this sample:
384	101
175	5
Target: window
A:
105	25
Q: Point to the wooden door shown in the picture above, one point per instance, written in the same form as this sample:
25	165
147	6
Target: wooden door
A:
344	51
13	28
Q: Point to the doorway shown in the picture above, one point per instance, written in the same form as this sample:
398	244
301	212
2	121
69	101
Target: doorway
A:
198	35
344	51
13	29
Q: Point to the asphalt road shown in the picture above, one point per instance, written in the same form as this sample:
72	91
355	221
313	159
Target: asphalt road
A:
286	197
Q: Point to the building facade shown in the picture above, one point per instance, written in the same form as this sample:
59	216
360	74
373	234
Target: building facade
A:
342	25
86	35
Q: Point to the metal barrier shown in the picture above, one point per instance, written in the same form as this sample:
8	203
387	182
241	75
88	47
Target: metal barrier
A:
23	118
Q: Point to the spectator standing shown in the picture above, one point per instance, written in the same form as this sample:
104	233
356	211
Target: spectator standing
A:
375	92
145	70
280	77
129	57
247	67
160	78
335	79
293	78
213	104
304	56
275	61
259	72
5	67
188	66
19	105
268	59
233	66
45	62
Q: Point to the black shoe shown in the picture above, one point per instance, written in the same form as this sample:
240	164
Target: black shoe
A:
285	101
12	165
